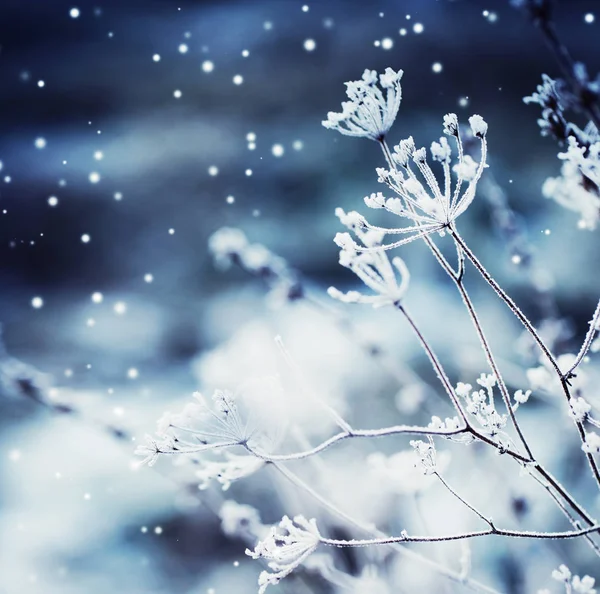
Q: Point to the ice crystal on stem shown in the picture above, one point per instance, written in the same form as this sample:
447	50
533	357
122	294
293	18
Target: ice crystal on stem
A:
481	404
373	268
285	548
426	455
574	583
369	113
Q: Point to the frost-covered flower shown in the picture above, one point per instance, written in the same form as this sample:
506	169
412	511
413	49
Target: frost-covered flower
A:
230	245
481	404
227	245
239	519
400	475
226	470
204	430
578	186
285	548
574	583
592	444
562	574
373	268
426	455
580	408
369	113
419	197
584	585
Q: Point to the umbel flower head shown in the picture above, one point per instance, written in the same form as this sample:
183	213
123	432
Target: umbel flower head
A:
285	548
373	268
369	113
251	420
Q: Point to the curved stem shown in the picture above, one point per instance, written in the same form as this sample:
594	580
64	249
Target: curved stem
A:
378	534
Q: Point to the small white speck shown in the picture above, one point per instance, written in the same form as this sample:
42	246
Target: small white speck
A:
53	201
183	48
418	28
387	43
230	199
297	145
463	101
74	13
133	373
144	529
310	45
251	146
437	67
546	232
158	530
236	563
213	170
248	172
208	66
41	84
98	155
90	322
97	297
85	238
37	302
268	25
245	53
156	58
377	43
328	23
238	79
40	143
118	196
277	150
402	31
148	278
516	259
251	137
305	8
171	231
589	18
177	94
120	308
94	177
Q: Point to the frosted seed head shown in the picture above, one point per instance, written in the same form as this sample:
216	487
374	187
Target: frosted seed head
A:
478	126
451	124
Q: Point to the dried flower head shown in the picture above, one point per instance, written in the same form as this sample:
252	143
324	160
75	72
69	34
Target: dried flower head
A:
369	113
285	548
373	268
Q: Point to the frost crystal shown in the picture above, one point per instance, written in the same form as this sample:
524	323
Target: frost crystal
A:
373	268
580	408
426	455
592	444
369	113
480	404
285	548
578	187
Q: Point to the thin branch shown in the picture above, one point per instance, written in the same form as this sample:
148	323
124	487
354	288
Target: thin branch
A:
587	343
354	433
532	331
378	534
462	536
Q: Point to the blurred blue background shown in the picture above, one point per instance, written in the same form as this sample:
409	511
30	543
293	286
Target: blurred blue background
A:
140	155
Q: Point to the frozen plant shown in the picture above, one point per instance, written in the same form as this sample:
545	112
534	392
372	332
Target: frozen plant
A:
236	436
